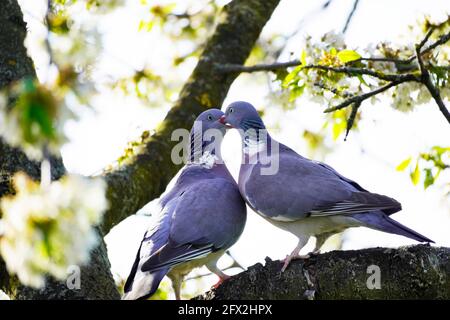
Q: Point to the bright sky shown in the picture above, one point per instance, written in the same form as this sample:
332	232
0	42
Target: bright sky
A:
386	137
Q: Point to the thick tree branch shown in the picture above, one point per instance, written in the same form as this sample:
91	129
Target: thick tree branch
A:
147	174
415	272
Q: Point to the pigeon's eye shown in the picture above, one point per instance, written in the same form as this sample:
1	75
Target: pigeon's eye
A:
210	117
230	110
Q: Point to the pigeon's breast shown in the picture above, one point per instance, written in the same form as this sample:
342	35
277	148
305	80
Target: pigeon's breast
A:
314	226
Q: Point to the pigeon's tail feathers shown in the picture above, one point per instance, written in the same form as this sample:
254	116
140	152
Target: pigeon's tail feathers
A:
144	285
380	221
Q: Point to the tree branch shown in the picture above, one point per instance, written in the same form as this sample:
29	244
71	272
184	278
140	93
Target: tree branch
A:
147	174
414	272
442	39
360	98
230	68
350	16
427	82
402	77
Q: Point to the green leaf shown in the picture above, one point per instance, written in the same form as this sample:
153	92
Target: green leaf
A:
303	58
141	25
440	150
348	55
338	128
281	74
296	92
429	178
415	175
291	76
361	79
403	165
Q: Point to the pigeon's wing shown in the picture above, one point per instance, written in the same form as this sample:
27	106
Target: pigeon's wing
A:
154	239
303	188
387	211
209	216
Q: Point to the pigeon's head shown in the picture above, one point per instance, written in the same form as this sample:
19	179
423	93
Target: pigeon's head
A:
209	119
242	115
207	133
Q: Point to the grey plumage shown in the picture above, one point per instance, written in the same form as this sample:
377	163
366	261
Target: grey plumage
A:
201	216
304	197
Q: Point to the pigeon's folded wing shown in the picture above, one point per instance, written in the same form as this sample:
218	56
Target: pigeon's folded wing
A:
204	221
302	188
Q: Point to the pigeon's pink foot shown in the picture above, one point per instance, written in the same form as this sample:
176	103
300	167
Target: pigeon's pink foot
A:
221	280
286	261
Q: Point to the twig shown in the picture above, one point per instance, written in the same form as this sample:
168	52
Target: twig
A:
427	82
47	38
350	16
229	68
381	59
425	39
442	39
362	97
351	119
365	71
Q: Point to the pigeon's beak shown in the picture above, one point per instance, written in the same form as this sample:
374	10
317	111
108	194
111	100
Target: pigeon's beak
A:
223	121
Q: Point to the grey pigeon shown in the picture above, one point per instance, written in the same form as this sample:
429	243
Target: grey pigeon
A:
304	197
200	218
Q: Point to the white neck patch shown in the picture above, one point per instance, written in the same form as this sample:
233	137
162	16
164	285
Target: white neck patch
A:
253	146
207	160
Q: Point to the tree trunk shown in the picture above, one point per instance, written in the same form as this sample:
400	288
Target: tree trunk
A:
414	272
96	279
145	176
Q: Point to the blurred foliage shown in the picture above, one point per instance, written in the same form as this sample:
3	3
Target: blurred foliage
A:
427	166
148	86
99	6
32	114
189	21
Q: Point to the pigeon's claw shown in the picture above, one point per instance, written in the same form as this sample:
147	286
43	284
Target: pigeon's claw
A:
221	280
286	261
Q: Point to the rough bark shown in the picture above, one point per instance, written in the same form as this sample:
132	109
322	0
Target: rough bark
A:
414	272
146	176
96	279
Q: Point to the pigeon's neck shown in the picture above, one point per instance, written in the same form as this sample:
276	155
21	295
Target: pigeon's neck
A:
205	153
255	141
206	159
254	136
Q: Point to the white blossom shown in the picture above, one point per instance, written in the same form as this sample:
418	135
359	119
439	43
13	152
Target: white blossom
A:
4	296
48	228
